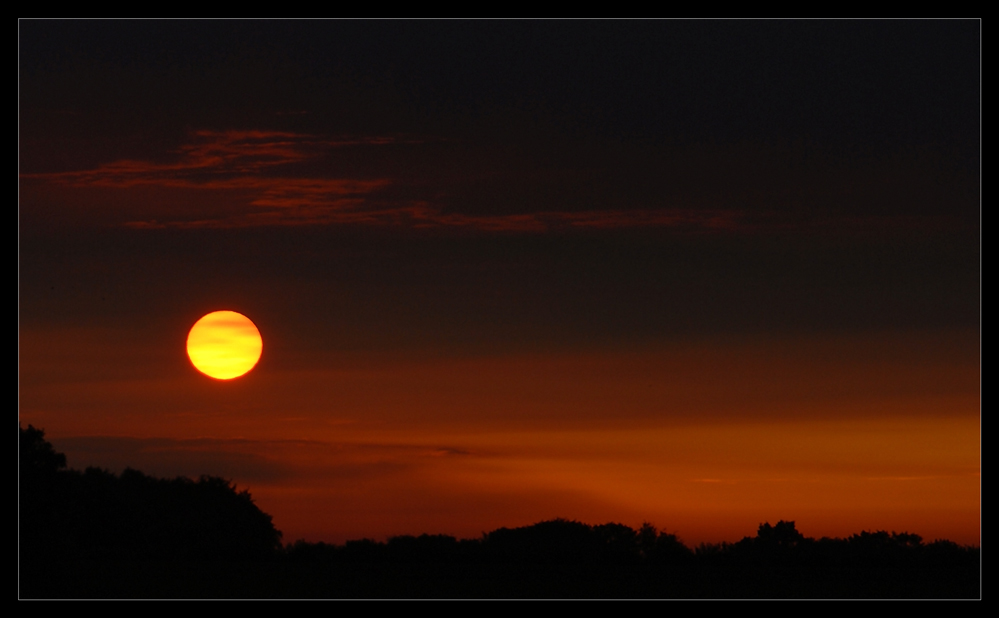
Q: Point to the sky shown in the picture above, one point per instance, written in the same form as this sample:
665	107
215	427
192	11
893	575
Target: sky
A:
704	274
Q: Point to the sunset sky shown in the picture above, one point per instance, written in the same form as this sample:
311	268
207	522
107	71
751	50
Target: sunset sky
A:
703	274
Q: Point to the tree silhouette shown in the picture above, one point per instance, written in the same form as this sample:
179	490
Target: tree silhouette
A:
783	535
37	456
71	521
96	514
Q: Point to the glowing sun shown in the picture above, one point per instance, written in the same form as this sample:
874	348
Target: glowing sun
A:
224	345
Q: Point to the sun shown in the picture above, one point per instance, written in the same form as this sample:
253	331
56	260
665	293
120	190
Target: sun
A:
224	345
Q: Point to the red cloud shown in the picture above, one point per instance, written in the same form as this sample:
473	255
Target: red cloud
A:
246	162
210	154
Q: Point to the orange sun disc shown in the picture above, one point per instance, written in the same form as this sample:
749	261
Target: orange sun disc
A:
224	345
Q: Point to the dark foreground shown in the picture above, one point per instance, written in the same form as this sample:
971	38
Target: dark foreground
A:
98	535
179	579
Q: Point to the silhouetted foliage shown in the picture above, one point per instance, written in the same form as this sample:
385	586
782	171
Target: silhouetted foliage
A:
558	540
568	558
660	547
36	455
783	535
96	534
95	514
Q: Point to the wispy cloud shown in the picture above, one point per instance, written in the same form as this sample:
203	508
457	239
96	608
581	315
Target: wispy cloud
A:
238	156
593	219
257	169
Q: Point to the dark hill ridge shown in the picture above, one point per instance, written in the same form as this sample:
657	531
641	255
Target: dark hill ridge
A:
95	534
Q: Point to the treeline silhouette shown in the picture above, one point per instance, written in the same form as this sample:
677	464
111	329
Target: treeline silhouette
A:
95	534
96	514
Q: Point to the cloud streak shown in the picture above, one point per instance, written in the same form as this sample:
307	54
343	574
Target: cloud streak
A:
256	169
268	179
239	156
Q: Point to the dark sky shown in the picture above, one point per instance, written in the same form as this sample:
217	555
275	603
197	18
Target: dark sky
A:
754	213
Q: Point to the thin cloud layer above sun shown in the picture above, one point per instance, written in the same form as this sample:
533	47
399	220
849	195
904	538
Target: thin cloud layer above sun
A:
210	155
256	169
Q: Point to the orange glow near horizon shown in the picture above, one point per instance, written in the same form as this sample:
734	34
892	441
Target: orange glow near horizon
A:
839	435
224	345
707	482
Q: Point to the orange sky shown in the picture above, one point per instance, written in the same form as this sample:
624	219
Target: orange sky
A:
701	273
838	435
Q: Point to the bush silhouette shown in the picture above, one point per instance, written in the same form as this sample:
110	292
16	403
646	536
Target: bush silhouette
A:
96	514
71	520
